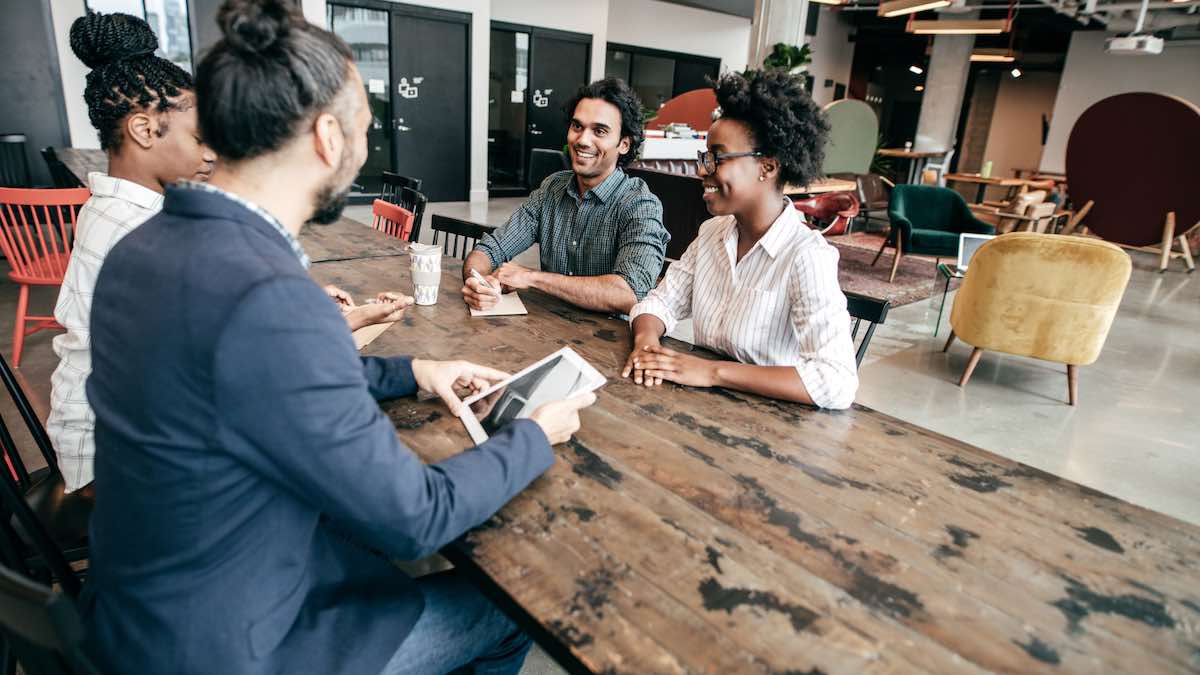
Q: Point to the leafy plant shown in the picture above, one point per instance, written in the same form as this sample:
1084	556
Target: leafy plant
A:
791	58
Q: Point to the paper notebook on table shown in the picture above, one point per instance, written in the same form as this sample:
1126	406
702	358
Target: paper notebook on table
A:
363	336
510	304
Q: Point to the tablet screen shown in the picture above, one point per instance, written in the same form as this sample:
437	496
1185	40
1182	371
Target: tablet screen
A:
558	378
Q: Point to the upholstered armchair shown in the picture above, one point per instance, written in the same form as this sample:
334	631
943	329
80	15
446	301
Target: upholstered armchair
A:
926	220
1048	296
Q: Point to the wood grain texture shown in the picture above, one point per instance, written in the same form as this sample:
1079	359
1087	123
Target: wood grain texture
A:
348	239
82	161
709	531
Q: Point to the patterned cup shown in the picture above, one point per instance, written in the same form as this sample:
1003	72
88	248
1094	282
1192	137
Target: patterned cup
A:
426	266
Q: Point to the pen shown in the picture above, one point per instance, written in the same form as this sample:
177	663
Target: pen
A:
479	277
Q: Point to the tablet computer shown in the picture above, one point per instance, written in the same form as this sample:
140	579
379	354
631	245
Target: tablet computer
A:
560	375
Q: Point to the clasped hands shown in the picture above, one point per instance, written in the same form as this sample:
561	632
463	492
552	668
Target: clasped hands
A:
650	364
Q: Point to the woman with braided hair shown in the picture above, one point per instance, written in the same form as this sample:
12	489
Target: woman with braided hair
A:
144	109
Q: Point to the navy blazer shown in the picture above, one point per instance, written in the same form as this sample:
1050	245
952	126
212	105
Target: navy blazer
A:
242	462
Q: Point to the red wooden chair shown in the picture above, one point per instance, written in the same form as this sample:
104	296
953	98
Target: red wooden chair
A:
392	220
832	211
37	230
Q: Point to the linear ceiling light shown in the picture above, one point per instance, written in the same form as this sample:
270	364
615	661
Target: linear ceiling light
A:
959	27
832	2
993	56
902	7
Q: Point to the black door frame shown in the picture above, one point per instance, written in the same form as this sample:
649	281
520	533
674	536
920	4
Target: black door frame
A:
634	50
538	31
397	9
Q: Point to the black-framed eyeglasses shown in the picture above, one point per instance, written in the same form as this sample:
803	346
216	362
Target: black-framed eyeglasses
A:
711	160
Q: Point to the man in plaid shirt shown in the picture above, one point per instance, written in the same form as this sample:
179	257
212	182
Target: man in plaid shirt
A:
600	231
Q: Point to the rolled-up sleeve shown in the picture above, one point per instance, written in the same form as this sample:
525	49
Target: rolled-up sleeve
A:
822	325
641	243
671	300
518	234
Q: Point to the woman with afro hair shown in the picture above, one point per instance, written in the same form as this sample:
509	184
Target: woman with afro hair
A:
143	107
760	286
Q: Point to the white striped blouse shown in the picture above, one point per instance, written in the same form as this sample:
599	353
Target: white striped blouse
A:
781	305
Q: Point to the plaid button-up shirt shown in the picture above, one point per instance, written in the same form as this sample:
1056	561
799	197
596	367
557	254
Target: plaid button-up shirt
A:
615	228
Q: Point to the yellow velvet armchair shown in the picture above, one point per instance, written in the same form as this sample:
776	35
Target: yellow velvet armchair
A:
1047	296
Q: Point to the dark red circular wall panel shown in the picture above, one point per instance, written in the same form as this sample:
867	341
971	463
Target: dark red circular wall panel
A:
1137	156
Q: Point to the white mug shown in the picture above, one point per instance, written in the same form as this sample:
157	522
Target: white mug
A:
426	267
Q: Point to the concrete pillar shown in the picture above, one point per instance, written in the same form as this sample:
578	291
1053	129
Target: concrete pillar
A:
775	21
945	83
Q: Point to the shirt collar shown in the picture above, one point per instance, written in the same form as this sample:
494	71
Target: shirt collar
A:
257	210
104	185
604	190
782	230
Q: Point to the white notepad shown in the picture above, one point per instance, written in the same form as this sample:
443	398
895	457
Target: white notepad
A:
509	305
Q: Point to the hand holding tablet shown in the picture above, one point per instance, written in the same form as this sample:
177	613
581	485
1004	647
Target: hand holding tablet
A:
551	392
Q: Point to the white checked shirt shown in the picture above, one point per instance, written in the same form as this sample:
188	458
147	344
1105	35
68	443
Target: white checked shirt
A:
780	306
115	209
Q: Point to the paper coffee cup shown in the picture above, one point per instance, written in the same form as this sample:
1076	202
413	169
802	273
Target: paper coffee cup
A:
426	268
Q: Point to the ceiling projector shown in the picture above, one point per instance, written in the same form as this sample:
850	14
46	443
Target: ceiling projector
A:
1134	45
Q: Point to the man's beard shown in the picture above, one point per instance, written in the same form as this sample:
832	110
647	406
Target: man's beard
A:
329	204
332	197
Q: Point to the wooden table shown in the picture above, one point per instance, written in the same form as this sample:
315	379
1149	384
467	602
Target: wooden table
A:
984	183
821	186
708	531
917	159
348	239
82	161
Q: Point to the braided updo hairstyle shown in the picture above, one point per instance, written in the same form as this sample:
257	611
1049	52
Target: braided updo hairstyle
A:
126	76
782	118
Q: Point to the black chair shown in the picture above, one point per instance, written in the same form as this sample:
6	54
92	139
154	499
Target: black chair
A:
45	528
871	310
59	173
393	182
14	164
466	234
543	162
42	628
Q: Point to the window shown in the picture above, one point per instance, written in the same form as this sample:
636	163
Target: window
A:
167	18
658	76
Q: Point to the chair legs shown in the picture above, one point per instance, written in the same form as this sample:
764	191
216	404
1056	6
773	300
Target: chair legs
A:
19	330
971	363
895	261
885	243
1072	384
949	341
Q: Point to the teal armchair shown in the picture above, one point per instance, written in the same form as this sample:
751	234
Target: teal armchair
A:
926	220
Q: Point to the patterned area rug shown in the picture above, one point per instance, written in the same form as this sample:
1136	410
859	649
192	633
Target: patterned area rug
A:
916	279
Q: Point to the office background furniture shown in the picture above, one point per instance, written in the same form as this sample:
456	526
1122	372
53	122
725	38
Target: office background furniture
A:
1040	295
926	220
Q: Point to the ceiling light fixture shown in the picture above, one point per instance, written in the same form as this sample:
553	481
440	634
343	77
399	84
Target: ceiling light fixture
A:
916	70
993	56
891	8
832	2
1016	72
919	87
959	27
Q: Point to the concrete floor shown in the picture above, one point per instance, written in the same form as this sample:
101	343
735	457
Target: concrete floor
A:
1135	433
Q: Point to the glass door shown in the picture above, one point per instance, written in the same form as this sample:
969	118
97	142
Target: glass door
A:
508	86
366	31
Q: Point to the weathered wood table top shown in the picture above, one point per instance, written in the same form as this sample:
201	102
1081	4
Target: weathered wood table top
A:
348	239
708	531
